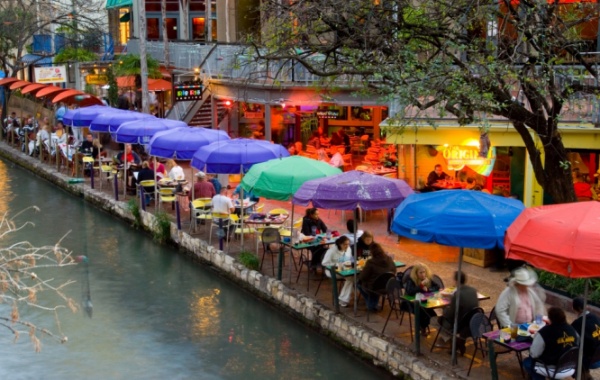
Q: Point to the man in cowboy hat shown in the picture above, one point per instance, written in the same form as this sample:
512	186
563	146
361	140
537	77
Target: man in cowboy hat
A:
522	299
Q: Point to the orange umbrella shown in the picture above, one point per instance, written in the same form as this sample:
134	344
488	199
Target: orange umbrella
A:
66	94
126	81
32	88
49	90
19	84
7	81
159	85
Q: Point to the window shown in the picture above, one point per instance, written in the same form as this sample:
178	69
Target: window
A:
153	29
198	28
172	28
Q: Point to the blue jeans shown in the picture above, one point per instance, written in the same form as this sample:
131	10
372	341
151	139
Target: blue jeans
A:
529	367
371	299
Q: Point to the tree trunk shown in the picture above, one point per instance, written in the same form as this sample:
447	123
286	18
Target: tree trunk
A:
143	60
163	9
555	177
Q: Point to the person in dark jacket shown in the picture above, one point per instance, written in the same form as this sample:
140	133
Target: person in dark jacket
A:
591	340
550	343
312	226
378	264
468	301
146	174
421	281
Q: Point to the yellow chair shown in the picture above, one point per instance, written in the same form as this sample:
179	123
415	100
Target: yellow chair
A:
285	231
200	211
147	184
236	223
280	211
216	219
259	208
166	195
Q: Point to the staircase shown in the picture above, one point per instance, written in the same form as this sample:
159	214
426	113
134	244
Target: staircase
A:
202	117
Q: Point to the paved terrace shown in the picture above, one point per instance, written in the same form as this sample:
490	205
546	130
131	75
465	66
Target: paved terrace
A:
442	261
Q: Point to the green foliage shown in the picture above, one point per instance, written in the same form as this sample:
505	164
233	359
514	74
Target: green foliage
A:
134	208
113	89
574	287
249	260
130	64
161	228
75	55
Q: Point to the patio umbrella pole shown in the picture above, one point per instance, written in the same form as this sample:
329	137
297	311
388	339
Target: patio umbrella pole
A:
355	266
242	206
455	329
581	339
155	188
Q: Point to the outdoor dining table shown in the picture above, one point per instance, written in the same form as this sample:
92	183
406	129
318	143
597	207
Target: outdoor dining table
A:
348	273
322	242
265	221
378	171
513	345
448	185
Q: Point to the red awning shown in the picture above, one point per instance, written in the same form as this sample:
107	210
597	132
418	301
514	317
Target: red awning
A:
49	90
32	88
159	85
126	81
66	94
19	84
7	81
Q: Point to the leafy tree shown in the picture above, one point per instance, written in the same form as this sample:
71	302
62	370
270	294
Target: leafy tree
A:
113	90
24	281
130	64
75	54
471	59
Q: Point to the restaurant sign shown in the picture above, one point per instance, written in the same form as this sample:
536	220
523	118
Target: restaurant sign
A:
326	113
96	79
191	90
52	74
458	155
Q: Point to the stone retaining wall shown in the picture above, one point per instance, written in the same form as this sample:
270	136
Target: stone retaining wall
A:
397	359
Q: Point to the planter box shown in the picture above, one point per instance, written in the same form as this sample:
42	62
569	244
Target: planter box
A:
480	257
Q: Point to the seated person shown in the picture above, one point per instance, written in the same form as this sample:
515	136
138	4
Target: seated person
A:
61	135
339	253
420	281
247	195
583	190
222	204
336	138
350	225
298	145
312	225
160	170
521	300
379	264
128	156
212	178
473	185
87	147
337	160
203	188
550	342
292	150
468	301
175	172
591	340
146	174
436	175
365	244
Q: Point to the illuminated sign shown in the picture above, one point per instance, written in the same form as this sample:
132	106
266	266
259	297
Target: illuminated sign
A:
461	156
325	113
96	79
187	91
52	74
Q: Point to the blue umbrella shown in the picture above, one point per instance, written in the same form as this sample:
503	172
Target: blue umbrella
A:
460	218
141	131
110	122
236	156
82	117
182	143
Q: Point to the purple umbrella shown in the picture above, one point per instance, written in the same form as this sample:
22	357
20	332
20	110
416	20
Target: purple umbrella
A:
236	156
110	122
141	131
182	143
82	117
353	189
350	190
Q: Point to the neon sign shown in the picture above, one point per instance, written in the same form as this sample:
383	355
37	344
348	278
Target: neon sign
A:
184	91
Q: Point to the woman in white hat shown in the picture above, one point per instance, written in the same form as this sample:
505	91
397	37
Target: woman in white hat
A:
522	299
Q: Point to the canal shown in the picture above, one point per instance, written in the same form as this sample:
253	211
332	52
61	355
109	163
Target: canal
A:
156	314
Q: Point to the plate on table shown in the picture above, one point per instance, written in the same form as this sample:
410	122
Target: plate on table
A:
448	292
534	328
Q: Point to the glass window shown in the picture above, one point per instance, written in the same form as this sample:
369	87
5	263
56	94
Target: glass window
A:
214	30
198	28
153	29
124	31
172	28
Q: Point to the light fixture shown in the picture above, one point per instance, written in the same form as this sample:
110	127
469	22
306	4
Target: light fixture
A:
228	103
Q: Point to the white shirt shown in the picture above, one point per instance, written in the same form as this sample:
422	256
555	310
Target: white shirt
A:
176	173
337	160
222	204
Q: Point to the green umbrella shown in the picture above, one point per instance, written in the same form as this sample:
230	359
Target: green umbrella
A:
280	178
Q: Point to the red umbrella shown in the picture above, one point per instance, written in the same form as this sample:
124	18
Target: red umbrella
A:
159	85
8	81
561	239
49	90
66	94
19	84
32	88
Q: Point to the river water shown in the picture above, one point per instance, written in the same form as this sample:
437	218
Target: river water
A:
156	314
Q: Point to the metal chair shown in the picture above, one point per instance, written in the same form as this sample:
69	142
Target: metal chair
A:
269	235
380	288
494	318
394	295
463	323
479	325
166	195
199	212
566	366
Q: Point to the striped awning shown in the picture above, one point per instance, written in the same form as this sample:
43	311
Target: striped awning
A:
118	3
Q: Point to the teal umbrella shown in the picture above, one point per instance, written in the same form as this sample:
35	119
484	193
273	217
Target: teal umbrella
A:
280	178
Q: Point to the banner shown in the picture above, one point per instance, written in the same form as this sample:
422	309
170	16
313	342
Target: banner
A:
52	74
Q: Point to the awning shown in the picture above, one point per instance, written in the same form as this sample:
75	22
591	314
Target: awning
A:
36	59
118	3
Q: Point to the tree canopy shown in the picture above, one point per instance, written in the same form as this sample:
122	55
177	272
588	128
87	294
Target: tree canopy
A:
522	60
